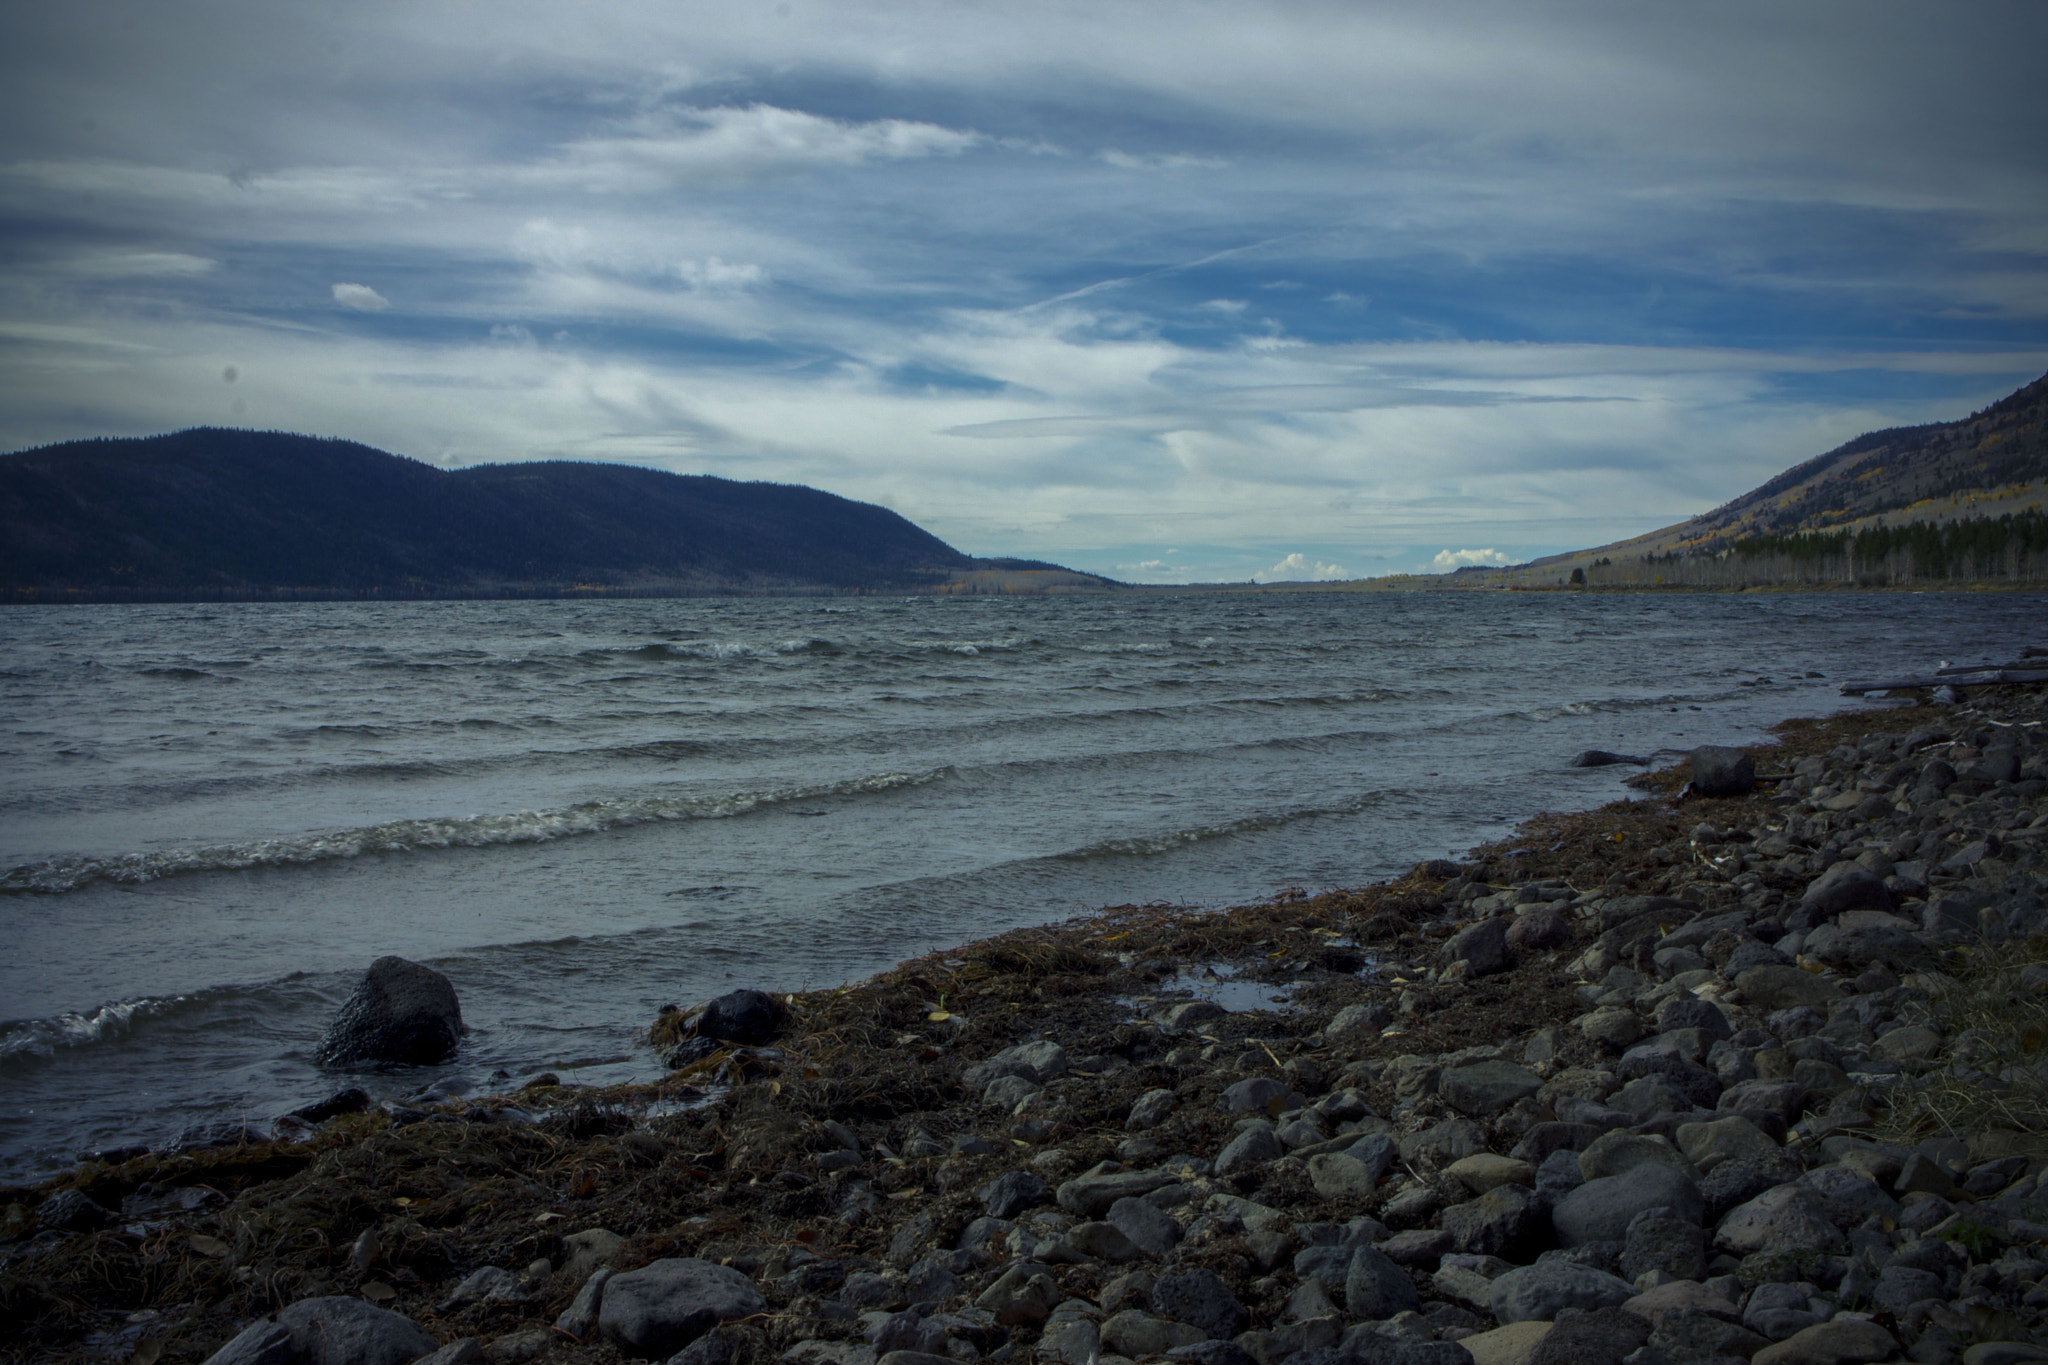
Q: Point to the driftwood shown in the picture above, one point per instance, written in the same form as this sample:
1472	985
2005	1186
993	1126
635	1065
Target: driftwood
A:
1953	678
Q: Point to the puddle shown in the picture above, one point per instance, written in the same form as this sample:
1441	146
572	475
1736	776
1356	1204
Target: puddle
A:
1219	982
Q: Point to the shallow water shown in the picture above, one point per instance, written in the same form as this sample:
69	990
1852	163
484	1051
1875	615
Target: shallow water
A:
215	816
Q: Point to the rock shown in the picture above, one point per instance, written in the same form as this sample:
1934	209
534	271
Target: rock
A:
1135	1335
1773	987
1071	1341
1090	1194
745	1016
1358	1020
1150	1110
1253	1146
1374	1287
1721	771
1708	1144
1777	1311
1102	1241
1149	1229
1182	1015
1620	1151
1535	1293
1200	1298
1443	1143
1680	1296
333	1328
588	1250
461	1351
488	1284
351	1100
1258	1095
1657	1241
1210	1353
1418	1246
1842	1341
1497	1222
1483	1171
713	1348
664	1306
2004	1353
1612	1025
1486	1088
1600	758
1598	1336
578	1321
1781	1100
1601	1210
1482	947
401	1013
72	1211
1012	1193
1685	1335
1023	1294
1787	1220
1539	928
1340	1177
1038	1062
517	1348
1845	886
1509	1345
1008	1093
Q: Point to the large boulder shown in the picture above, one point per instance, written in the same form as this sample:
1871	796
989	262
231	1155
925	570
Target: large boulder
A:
324	1329
401	1013
746	1016
1601	1210
660	1308
1845	886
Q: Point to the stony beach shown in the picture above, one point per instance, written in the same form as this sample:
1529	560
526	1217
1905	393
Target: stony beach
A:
1747	1067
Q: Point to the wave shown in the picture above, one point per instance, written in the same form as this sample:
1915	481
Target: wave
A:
1151	845
58	875
180	673
40	1040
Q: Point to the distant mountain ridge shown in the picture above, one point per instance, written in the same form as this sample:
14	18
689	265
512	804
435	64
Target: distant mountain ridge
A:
211	512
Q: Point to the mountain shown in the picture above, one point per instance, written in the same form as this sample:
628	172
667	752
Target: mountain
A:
209	513
1949	501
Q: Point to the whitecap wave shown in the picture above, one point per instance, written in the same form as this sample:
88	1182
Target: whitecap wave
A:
56	875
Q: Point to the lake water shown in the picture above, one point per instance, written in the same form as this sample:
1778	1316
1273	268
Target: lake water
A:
213	817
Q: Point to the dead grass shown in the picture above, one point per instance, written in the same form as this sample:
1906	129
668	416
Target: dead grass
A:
1992	1071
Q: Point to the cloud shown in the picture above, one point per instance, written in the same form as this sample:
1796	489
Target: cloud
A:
360	297
672	147
714	275
1447	560
1298	568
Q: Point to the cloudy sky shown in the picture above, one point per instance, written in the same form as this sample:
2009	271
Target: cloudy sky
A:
1165	291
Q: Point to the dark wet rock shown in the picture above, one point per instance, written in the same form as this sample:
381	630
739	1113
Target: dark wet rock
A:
1540	928
664	1306
1776	1311
1658	1241
1011	1194
1718	770
744	1016
1535	1293
1774	987
72	1211
328	1329
1687	1336
1023	1294
1442	1143
1601	758
1254	1145
1150	1110
353	1100
1258	1095
1689	1011
1482	947
1092	1193
488	1284
1150	1229
1374	1287
1601	1210
1200	1298
578	1321
1211	1353
1418	1246
401	1013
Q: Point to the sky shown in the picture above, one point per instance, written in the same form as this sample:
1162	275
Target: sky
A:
1169	292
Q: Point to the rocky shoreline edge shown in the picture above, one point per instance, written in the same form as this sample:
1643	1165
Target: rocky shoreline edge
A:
1756	1076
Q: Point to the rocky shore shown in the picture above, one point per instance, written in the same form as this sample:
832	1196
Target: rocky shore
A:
1753	1067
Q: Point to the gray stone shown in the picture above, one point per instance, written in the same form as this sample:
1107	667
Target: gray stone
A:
1842	1341
1601	1210
1776	1311
401	1012
1201	1298
1718	770
1358	1020
1845	886
1150	1110
930	1281
488	1284
1182	1015
461	1351
1689	1335
715	1347
1418	1246
1374	1287
1021	1295
1777	988
1708	1144
1613	1025
1597	1336
1900	1286
1655	1241
1620	1151
1486	1088
664	1306
1535	1293
578	1321
71	1211
1135	1334
1102	1241
1258	1095
1008	1092
1502	1220
1013	1192
1253	1146
1071	1341
1038	1061
588	1250
1785	1221
1149	1229
331	1328
1340	1177
1482	947
2004	1353
1783	1100
1091	1194
1443	1143
1211	1353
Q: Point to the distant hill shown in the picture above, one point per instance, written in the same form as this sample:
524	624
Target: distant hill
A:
1949	501
213	513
